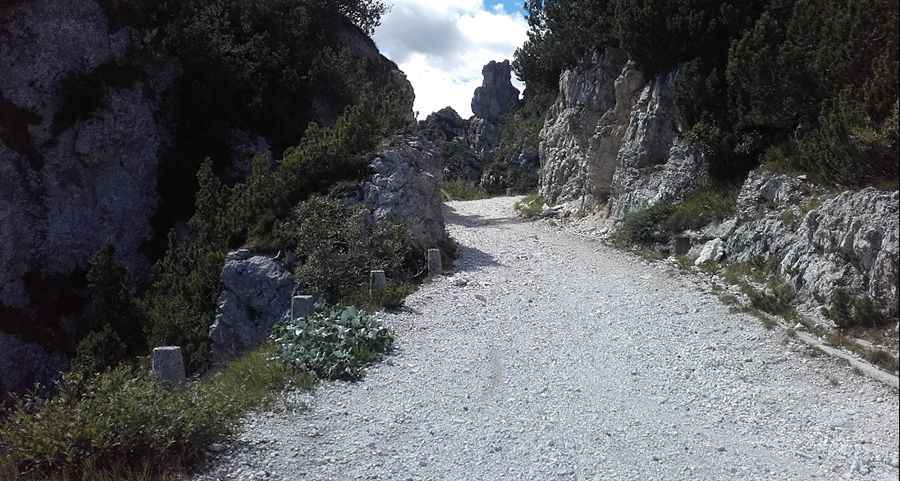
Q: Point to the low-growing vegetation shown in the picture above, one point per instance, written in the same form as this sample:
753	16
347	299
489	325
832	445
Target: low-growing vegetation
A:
849	311
530	207
658	223
333	343
122	422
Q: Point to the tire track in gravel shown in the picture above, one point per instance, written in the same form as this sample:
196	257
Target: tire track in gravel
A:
580	363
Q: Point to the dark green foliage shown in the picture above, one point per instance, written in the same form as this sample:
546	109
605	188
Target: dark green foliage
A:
560	32
520	136
646	226
712	204
333	343
819	79
114	320
338	247
850	311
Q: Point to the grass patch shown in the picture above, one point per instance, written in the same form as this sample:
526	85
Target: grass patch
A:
683	262
122	424
333	343
459	189
531	206
882	359
775	299
391	297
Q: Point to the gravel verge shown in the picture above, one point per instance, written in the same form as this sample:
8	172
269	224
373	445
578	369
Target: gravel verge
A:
550	357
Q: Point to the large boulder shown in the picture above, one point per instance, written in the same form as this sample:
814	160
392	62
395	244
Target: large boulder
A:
496	97
405	188
256	295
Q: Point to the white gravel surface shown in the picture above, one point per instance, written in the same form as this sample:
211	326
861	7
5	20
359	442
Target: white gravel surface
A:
549	357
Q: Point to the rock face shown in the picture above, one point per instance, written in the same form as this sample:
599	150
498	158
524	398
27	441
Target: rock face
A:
81	135
71	182
490	104
256	294
824	241
496	97
405	188
583	129
611	136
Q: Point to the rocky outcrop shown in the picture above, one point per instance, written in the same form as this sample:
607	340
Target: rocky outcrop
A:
490	104
405	188
612	137
443	125
256	294
496	97
824	241
447	130
583	129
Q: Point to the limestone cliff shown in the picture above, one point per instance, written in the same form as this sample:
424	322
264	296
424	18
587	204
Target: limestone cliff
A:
611	137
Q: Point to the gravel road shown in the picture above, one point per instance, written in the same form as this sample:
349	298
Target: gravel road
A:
550	357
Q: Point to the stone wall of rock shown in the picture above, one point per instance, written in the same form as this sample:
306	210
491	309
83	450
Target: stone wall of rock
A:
824	241
255	295
612	137
405	187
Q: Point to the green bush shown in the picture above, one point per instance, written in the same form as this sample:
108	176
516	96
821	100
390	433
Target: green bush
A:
337	247
645	226
333	343
849	311
124	419
702	208
391	297
114	320
775	299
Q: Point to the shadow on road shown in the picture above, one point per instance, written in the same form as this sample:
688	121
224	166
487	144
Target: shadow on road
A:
453	217
471	259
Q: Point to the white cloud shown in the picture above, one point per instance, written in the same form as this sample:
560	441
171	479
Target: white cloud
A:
443	44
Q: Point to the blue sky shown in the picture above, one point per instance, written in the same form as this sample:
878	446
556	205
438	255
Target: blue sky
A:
508	5
442	45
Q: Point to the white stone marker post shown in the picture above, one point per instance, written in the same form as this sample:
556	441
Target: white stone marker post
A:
377	282
434	263
302	306
168	364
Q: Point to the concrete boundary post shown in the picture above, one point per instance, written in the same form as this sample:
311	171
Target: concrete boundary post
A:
434	263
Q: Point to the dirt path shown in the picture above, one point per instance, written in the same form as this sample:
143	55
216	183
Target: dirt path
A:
549	357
